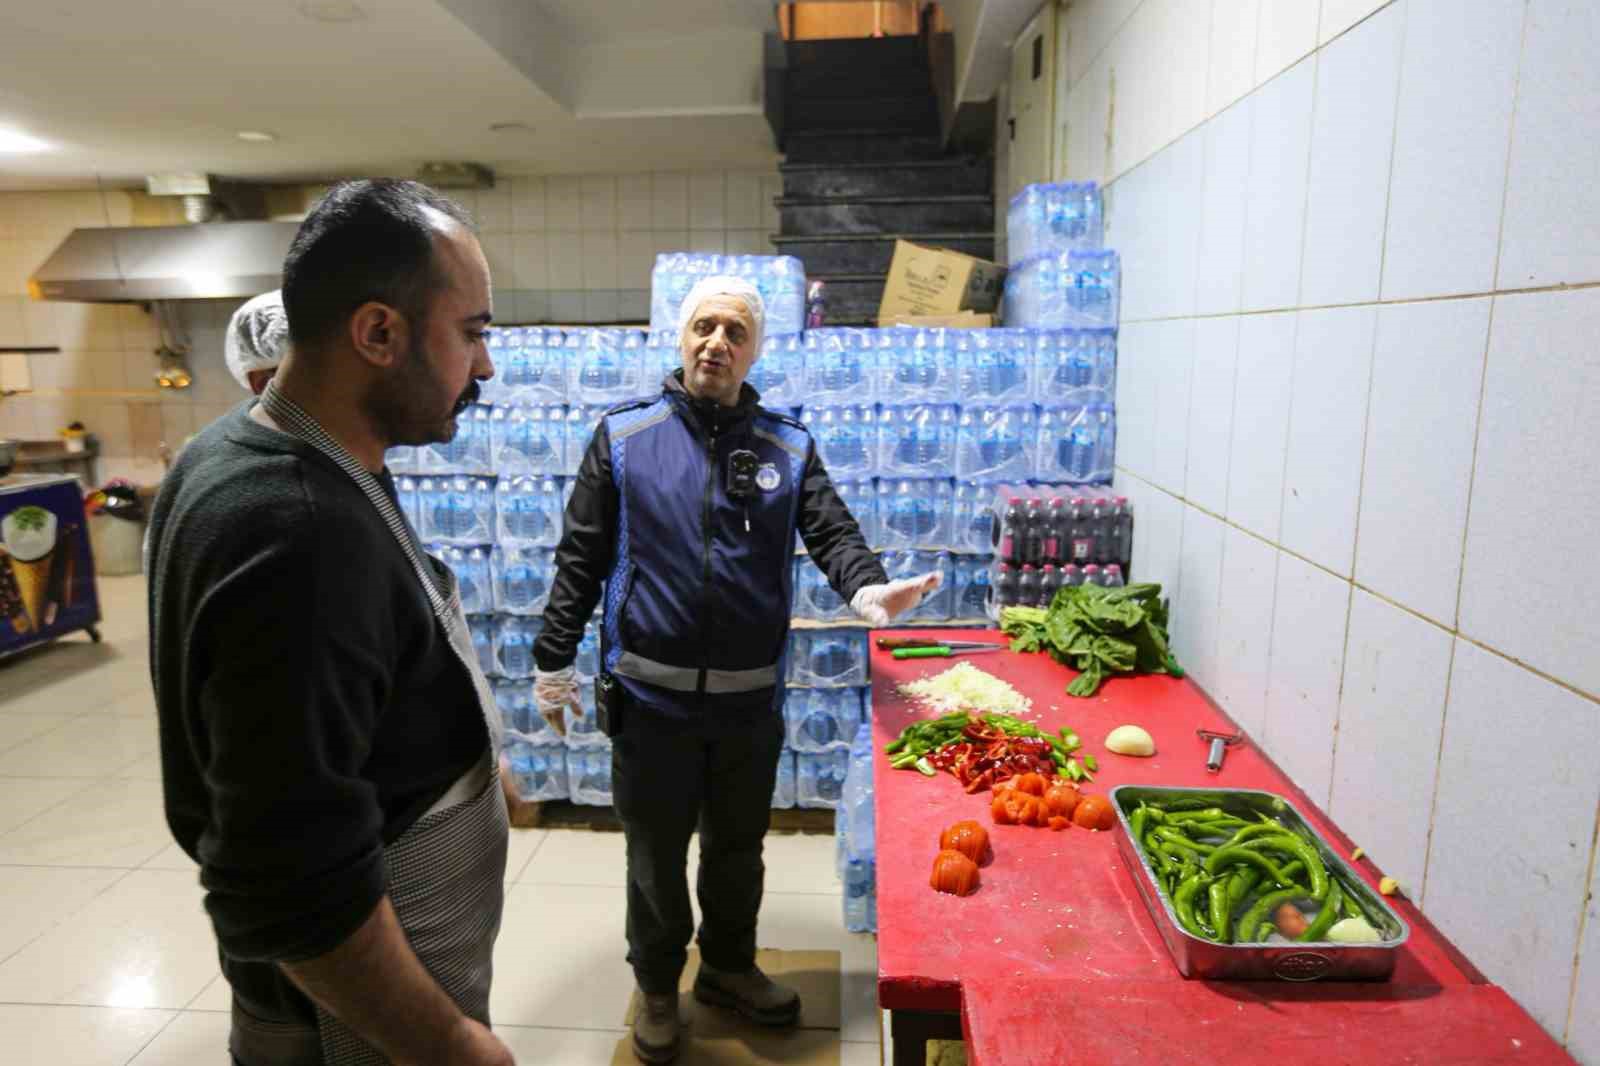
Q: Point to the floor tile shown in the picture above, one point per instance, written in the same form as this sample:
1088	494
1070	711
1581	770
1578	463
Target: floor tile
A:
171	857
217	996
145	769
144	942
193	1039
801	862
35	899
573	1046
1536	434
17	729
70	677
114	823
22	798
75	1036
1535	888
578	857
583	929
524	844
87	746
854	1054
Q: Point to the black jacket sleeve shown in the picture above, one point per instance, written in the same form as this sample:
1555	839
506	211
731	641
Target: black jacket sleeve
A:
831	534
291	856
583	558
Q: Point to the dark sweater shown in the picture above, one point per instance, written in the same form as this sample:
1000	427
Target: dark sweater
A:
310	705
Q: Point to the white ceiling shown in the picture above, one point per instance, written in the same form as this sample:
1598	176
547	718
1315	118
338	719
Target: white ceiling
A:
126	89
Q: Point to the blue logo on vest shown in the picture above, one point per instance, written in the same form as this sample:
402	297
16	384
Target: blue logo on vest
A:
768	478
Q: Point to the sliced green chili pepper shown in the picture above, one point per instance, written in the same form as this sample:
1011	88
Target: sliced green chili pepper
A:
1319	927
1091	763
925	767
1220	912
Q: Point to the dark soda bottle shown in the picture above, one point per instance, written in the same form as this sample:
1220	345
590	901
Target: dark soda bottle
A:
1011	530
1071	576
1033	539
1092	575
1049	582
1004	586
1122	525
1028	586
1055	530
1080	534
1103	521
1111	577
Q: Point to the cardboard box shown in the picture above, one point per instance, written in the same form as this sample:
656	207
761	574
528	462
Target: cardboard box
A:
937	281
959	320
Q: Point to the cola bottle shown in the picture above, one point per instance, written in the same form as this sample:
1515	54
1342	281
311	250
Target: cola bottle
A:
1092	575
1055	530
1033	539
1080	536
1122	524
1071	576
1004	586
1104	523
1012	531
1028	586
1049	582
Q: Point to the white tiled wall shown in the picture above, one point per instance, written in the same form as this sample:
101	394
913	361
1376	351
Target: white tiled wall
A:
568	249
1356	418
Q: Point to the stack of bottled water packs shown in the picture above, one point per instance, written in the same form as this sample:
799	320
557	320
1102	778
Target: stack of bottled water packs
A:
780	279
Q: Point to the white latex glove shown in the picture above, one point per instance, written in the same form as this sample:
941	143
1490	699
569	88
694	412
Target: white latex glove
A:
554	691
877	605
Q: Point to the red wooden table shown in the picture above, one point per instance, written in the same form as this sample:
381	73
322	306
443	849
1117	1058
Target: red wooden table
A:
1057	953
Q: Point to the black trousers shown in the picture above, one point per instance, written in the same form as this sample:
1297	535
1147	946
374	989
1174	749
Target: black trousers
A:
668	776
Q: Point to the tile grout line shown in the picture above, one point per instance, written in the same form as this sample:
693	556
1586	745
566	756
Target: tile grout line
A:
1532	290
1110	40
1394	144
113	883
1438	772
1338	706
1385	598
1583	921
1311	155
1488	340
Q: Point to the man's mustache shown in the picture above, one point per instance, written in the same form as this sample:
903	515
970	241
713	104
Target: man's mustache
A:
469	396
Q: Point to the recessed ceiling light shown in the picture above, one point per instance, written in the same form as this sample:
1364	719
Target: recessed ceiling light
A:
15	141
257	136
510	127
331	10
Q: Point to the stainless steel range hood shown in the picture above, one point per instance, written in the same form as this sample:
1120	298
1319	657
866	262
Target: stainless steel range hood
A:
137	264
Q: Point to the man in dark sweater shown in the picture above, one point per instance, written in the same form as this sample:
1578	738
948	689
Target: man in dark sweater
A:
324	751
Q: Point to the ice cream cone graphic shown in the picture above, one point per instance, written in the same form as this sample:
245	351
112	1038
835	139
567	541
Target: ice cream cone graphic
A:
11	612
29	535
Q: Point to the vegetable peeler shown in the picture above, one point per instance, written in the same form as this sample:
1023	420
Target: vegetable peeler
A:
891	643
1220	743
942	651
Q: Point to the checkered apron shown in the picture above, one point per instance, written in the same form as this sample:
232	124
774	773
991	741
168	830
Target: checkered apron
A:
446	872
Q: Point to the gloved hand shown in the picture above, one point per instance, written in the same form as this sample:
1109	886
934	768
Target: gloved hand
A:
878	604
554	691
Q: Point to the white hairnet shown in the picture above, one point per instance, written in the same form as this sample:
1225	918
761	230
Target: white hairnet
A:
724	285
258	337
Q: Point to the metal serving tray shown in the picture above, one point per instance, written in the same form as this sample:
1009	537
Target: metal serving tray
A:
1316	961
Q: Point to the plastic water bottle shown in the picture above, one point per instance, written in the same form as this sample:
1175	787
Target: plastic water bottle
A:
972	588
514	639
846	437
861	497
1055	524
473	581
405	489
481	629
972	518
1106	443
919	440
783	785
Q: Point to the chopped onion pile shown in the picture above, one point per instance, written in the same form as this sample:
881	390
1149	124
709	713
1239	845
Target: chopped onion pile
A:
964	687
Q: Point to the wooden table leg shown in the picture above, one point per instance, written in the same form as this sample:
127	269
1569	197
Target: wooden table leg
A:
911	1030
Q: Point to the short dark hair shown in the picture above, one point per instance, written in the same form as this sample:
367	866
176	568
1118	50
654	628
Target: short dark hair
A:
367	240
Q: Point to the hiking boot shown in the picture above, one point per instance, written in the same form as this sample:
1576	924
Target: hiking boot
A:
656	1028
752	993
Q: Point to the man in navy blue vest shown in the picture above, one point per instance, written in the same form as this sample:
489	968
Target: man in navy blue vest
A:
686	509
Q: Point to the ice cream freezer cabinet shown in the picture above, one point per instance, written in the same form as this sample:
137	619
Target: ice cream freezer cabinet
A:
47	584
